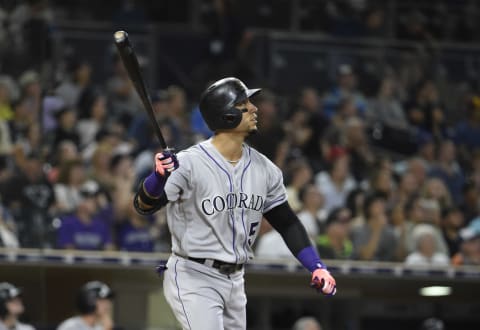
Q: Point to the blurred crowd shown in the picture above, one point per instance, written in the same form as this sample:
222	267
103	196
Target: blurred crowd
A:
383	176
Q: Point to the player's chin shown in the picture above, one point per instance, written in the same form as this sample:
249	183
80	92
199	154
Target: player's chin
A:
253	131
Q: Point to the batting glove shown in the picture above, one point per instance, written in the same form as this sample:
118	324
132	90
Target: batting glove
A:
165	162
324	282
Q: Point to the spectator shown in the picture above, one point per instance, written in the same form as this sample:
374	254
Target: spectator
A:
354	203
386	107
452	222
335	242
358	147
140	130
122	98
299	173
30	198
467	131
469	253
318	123
94	304
66	127
11	308
426	252
336	183
312	214
270	138
82	230
435	189
134	233
8	235
448	170
401	226
67	189
470	205
31	91
92	107
78	82
346	88
407	187
375	240
307	323
425	112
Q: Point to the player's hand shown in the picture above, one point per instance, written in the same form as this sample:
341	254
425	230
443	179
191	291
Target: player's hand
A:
324	282
166	162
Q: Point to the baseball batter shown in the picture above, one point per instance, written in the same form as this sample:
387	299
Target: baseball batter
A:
216	193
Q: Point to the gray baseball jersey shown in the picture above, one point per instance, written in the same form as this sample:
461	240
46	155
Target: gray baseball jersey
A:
215	208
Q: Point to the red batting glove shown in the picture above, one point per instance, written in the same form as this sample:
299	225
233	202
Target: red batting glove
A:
165	163
324	282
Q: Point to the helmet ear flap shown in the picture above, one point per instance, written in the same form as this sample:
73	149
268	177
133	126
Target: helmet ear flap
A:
232	117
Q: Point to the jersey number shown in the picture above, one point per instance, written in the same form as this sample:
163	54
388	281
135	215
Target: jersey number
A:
251	233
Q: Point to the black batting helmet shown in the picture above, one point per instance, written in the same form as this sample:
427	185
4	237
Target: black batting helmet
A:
88	295
217	103
7	292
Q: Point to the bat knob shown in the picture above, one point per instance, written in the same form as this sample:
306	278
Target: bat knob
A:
120	36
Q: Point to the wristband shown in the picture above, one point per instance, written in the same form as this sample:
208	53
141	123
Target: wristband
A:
310	259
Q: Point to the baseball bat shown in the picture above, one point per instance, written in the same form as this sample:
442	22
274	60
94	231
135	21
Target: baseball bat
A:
130	61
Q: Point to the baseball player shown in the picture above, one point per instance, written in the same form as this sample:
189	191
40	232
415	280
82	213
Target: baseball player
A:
11	307
94	304
216	193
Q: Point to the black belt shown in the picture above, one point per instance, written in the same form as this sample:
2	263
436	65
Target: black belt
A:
223	267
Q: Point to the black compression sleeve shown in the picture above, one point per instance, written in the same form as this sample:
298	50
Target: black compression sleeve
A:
286	222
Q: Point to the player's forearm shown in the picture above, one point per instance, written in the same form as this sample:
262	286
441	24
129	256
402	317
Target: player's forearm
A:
144	203
284	220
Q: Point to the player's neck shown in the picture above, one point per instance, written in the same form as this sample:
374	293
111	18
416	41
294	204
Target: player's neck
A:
228	145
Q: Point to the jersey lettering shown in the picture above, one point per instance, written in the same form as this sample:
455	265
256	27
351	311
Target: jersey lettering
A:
253	229
231	201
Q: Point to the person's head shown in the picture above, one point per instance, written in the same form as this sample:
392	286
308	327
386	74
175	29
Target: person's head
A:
436	189
382	181
311	197
408	183
355	132
95	298
300	173
452	218
121	164
87	204
309	99
424	240
432	323
66	118
307	323
355	201
346	77
417	167
10	302
339	166
71	172
338	223
446	152
374	205
397	214
93	104
414	211
177	101
225	106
